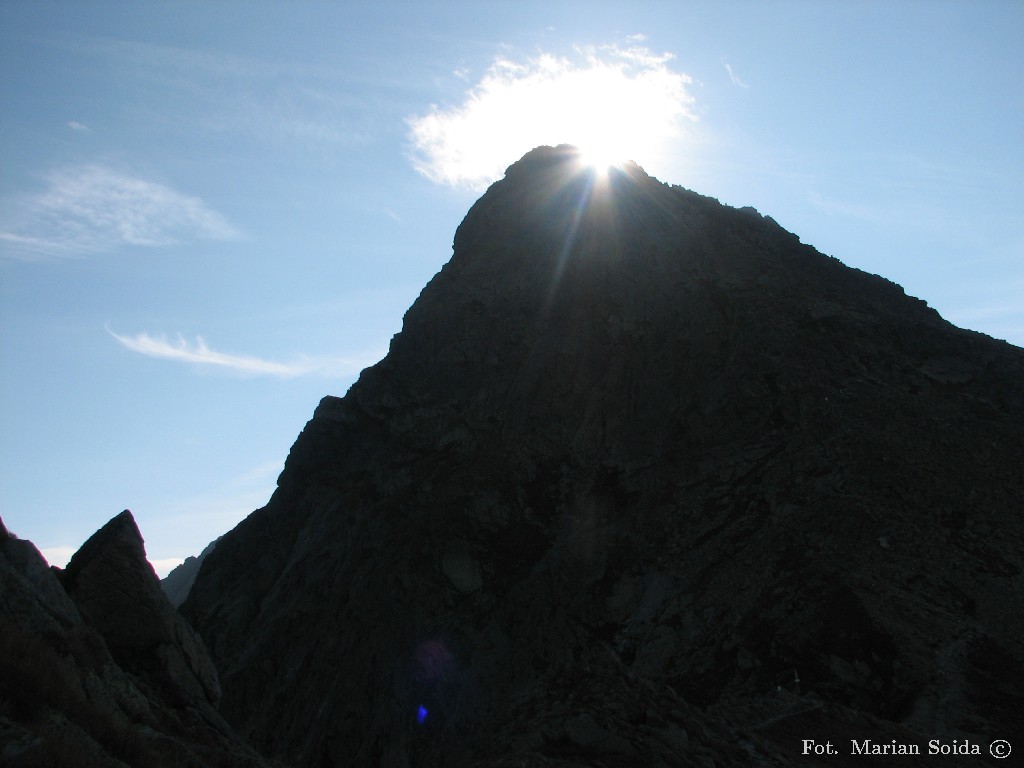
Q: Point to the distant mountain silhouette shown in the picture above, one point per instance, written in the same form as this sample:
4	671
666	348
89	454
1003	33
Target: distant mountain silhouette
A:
643	481
177	584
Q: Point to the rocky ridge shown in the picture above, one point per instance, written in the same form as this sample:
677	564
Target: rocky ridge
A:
98	669
643	480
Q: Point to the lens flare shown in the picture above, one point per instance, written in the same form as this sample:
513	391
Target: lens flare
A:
434	661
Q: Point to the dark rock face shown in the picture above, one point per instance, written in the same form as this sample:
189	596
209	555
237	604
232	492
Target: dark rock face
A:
119	595
642	481
104	673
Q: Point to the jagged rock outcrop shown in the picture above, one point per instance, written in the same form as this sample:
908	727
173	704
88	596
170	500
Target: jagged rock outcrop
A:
109	675
119	595
178	583
643	481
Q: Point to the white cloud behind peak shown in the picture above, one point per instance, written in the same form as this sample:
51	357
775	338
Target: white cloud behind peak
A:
199	353
627	97
94	208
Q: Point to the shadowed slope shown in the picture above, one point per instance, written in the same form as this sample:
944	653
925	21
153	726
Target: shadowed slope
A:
636	463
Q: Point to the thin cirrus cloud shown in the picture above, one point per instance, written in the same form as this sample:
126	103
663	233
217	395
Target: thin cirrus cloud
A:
296	107
733	77
626	99
198	353
95	208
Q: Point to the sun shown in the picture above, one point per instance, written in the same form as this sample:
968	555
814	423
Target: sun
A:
604	125
614	104
601	157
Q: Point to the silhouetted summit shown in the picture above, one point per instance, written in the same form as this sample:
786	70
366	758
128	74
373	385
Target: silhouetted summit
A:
643	481
116	590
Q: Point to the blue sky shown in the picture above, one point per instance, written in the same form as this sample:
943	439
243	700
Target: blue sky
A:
211	215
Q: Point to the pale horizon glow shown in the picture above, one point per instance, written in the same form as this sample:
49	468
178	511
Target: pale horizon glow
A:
614	104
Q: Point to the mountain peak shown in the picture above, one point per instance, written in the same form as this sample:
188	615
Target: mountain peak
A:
636	462
563	157
118	593
120	533
96	666
544	156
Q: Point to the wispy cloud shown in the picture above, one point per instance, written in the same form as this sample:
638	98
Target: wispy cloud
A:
92	208
172	61
294	106
628	96
198	353
74	125
733	77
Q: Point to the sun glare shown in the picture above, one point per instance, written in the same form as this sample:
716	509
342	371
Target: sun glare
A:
614	104
601	157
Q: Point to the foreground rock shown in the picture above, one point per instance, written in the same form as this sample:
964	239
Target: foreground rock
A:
643	481
102	671
115	590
